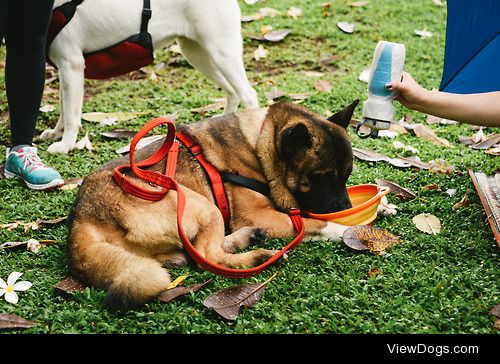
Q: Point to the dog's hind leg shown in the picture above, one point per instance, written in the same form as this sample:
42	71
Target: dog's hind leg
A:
200	59
99	257
223	43
243	238
71	75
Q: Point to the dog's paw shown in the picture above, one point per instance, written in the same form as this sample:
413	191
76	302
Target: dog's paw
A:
258	236
263	255
50	134
59	147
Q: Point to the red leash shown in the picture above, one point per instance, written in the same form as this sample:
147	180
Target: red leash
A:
167	182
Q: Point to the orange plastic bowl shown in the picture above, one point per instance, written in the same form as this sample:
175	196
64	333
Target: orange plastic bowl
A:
364	199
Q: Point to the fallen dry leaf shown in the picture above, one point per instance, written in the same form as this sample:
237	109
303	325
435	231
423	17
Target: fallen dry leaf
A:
120	133
103	117
372	156
260	53
425	132
173	293
401	192
177	282
464	202
229	301
47	108
323	85
493	151
141	144
440	166
432	187
431	119
275	93
365	237
488	142
346	27
69	285
276	35
218	104
372	272
427	223
11	321
84	143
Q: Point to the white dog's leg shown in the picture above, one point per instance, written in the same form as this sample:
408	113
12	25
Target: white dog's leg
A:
57	132
71	76
331	231
200	59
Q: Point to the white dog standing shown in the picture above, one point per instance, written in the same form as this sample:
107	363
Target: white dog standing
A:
207	31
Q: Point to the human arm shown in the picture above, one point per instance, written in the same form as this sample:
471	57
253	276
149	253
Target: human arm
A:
478	109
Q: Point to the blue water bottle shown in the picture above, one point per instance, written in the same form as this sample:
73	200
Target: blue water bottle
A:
378	109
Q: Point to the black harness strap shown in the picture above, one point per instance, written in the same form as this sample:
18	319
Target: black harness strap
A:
146	15
249	183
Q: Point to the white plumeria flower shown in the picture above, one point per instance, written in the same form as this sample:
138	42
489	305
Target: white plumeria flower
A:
10	288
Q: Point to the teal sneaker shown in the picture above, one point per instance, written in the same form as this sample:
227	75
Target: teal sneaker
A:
23	162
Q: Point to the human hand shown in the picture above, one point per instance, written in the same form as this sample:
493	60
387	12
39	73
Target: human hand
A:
409	92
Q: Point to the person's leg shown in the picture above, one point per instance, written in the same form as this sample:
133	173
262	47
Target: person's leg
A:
25	31
3	17
25	38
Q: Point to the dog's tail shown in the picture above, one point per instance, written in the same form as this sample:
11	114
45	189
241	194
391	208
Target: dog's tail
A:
130	279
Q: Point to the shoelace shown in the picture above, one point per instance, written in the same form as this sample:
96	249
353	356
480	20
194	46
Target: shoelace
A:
30	159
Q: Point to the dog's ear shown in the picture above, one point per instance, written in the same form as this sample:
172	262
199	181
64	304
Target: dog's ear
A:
293	140
343	117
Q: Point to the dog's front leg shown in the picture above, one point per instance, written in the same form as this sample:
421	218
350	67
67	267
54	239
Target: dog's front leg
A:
71	76
279	225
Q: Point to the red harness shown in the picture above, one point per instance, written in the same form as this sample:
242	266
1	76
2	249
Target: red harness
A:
167	182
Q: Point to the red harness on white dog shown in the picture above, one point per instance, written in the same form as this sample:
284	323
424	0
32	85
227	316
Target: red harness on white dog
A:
126	56
167	182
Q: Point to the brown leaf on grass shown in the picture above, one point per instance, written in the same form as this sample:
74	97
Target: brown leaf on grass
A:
106	118
323	85
274	94
326	60
425	132
427	223
28	226
229	301
369	155
11	321
415	162
493	151
84	143
432	187
489	142
69	285
276	35
464	202
372	272
173	293
495	311
372	156
120	133
365	237
403	193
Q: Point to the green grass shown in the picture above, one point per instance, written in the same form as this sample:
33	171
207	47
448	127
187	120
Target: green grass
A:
428	284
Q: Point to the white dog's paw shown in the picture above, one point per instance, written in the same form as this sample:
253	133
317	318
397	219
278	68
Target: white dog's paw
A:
386	209
59	147
331	231
50	134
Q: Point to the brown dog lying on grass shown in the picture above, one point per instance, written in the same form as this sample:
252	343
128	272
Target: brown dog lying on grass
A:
119	242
